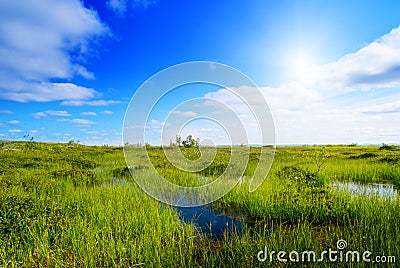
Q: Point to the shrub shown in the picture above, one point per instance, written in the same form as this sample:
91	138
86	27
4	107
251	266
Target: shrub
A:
189	142
385	146
362	156
301	176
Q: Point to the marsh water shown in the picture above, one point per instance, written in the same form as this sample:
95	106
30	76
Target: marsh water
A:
217	222
214	222
368	189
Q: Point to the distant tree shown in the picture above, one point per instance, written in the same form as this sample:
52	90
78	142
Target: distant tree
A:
72	142
189	142
178	140
387	147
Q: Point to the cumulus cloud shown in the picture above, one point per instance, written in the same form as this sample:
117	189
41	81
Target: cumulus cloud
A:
44	40
82	122
14	130
90	103
45	91
120	7
389	107
335	102
88	113
50	113
184	113
376	65
77	121
155	124
107	112
14	122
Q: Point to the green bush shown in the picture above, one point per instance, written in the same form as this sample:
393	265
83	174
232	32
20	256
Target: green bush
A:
302	176
385	146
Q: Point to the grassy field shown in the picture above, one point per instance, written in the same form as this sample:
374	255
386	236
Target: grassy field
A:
69	205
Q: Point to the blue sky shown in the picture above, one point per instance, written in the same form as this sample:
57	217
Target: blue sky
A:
330	71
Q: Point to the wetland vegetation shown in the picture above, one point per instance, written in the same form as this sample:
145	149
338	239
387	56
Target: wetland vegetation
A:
69	205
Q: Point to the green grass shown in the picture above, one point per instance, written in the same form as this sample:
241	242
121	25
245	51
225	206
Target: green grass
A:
57	209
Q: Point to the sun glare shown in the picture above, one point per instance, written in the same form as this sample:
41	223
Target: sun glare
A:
300	66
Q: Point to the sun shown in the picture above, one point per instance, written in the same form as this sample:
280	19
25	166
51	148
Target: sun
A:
301	65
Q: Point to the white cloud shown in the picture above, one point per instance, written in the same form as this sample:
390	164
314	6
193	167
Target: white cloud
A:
390	107
315	119
77	121
43	91
39	115
58	113
184	113
88	113
143	3
6	112
377	65
90	103
234	114
82	71
107	112
14	122
120	7
15	131
50	113
155	124
43	40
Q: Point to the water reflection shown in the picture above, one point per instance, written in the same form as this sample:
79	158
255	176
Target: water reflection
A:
368	189
216	223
